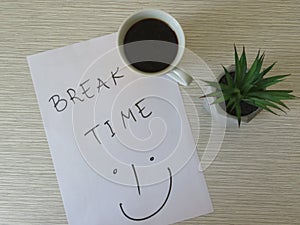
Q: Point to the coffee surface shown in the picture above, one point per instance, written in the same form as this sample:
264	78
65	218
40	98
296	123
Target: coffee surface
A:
146	55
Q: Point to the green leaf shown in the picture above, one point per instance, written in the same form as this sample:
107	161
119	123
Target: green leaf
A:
243	63
235	105
280	91
211	83
230	104
228	77
218	86
282	94
237	65
254	65
219	100
238	113
264	83
251	76
266	95
259	65
265	71
268	103
213	94
260	103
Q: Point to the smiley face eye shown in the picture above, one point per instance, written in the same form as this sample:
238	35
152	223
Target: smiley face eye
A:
151	158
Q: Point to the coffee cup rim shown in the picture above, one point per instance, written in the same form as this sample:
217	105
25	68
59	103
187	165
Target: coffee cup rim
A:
159	14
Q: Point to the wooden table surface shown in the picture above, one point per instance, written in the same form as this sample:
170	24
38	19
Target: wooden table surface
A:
255	179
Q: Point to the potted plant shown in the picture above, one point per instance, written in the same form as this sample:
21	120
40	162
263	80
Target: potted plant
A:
240	92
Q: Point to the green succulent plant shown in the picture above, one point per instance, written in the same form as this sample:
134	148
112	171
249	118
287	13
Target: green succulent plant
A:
249	85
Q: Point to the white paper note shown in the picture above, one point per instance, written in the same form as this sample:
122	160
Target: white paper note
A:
121	143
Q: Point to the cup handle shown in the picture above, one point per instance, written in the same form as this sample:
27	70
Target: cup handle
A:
180	76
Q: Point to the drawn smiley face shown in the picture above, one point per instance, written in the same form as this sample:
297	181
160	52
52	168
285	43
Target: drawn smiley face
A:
139	192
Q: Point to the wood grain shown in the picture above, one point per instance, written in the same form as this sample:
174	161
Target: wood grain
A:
255	178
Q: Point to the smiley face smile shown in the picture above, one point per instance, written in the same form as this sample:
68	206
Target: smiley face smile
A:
158	210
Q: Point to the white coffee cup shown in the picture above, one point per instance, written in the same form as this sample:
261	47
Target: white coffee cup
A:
172	71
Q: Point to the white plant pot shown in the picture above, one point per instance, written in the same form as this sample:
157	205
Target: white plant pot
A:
218	113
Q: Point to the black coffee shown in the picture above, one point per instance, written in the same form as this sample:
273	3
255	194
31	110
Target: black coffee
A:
150	56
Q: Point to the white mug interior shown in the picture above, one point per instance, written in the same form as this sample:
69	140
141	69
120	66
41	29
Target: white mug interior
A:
152	14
